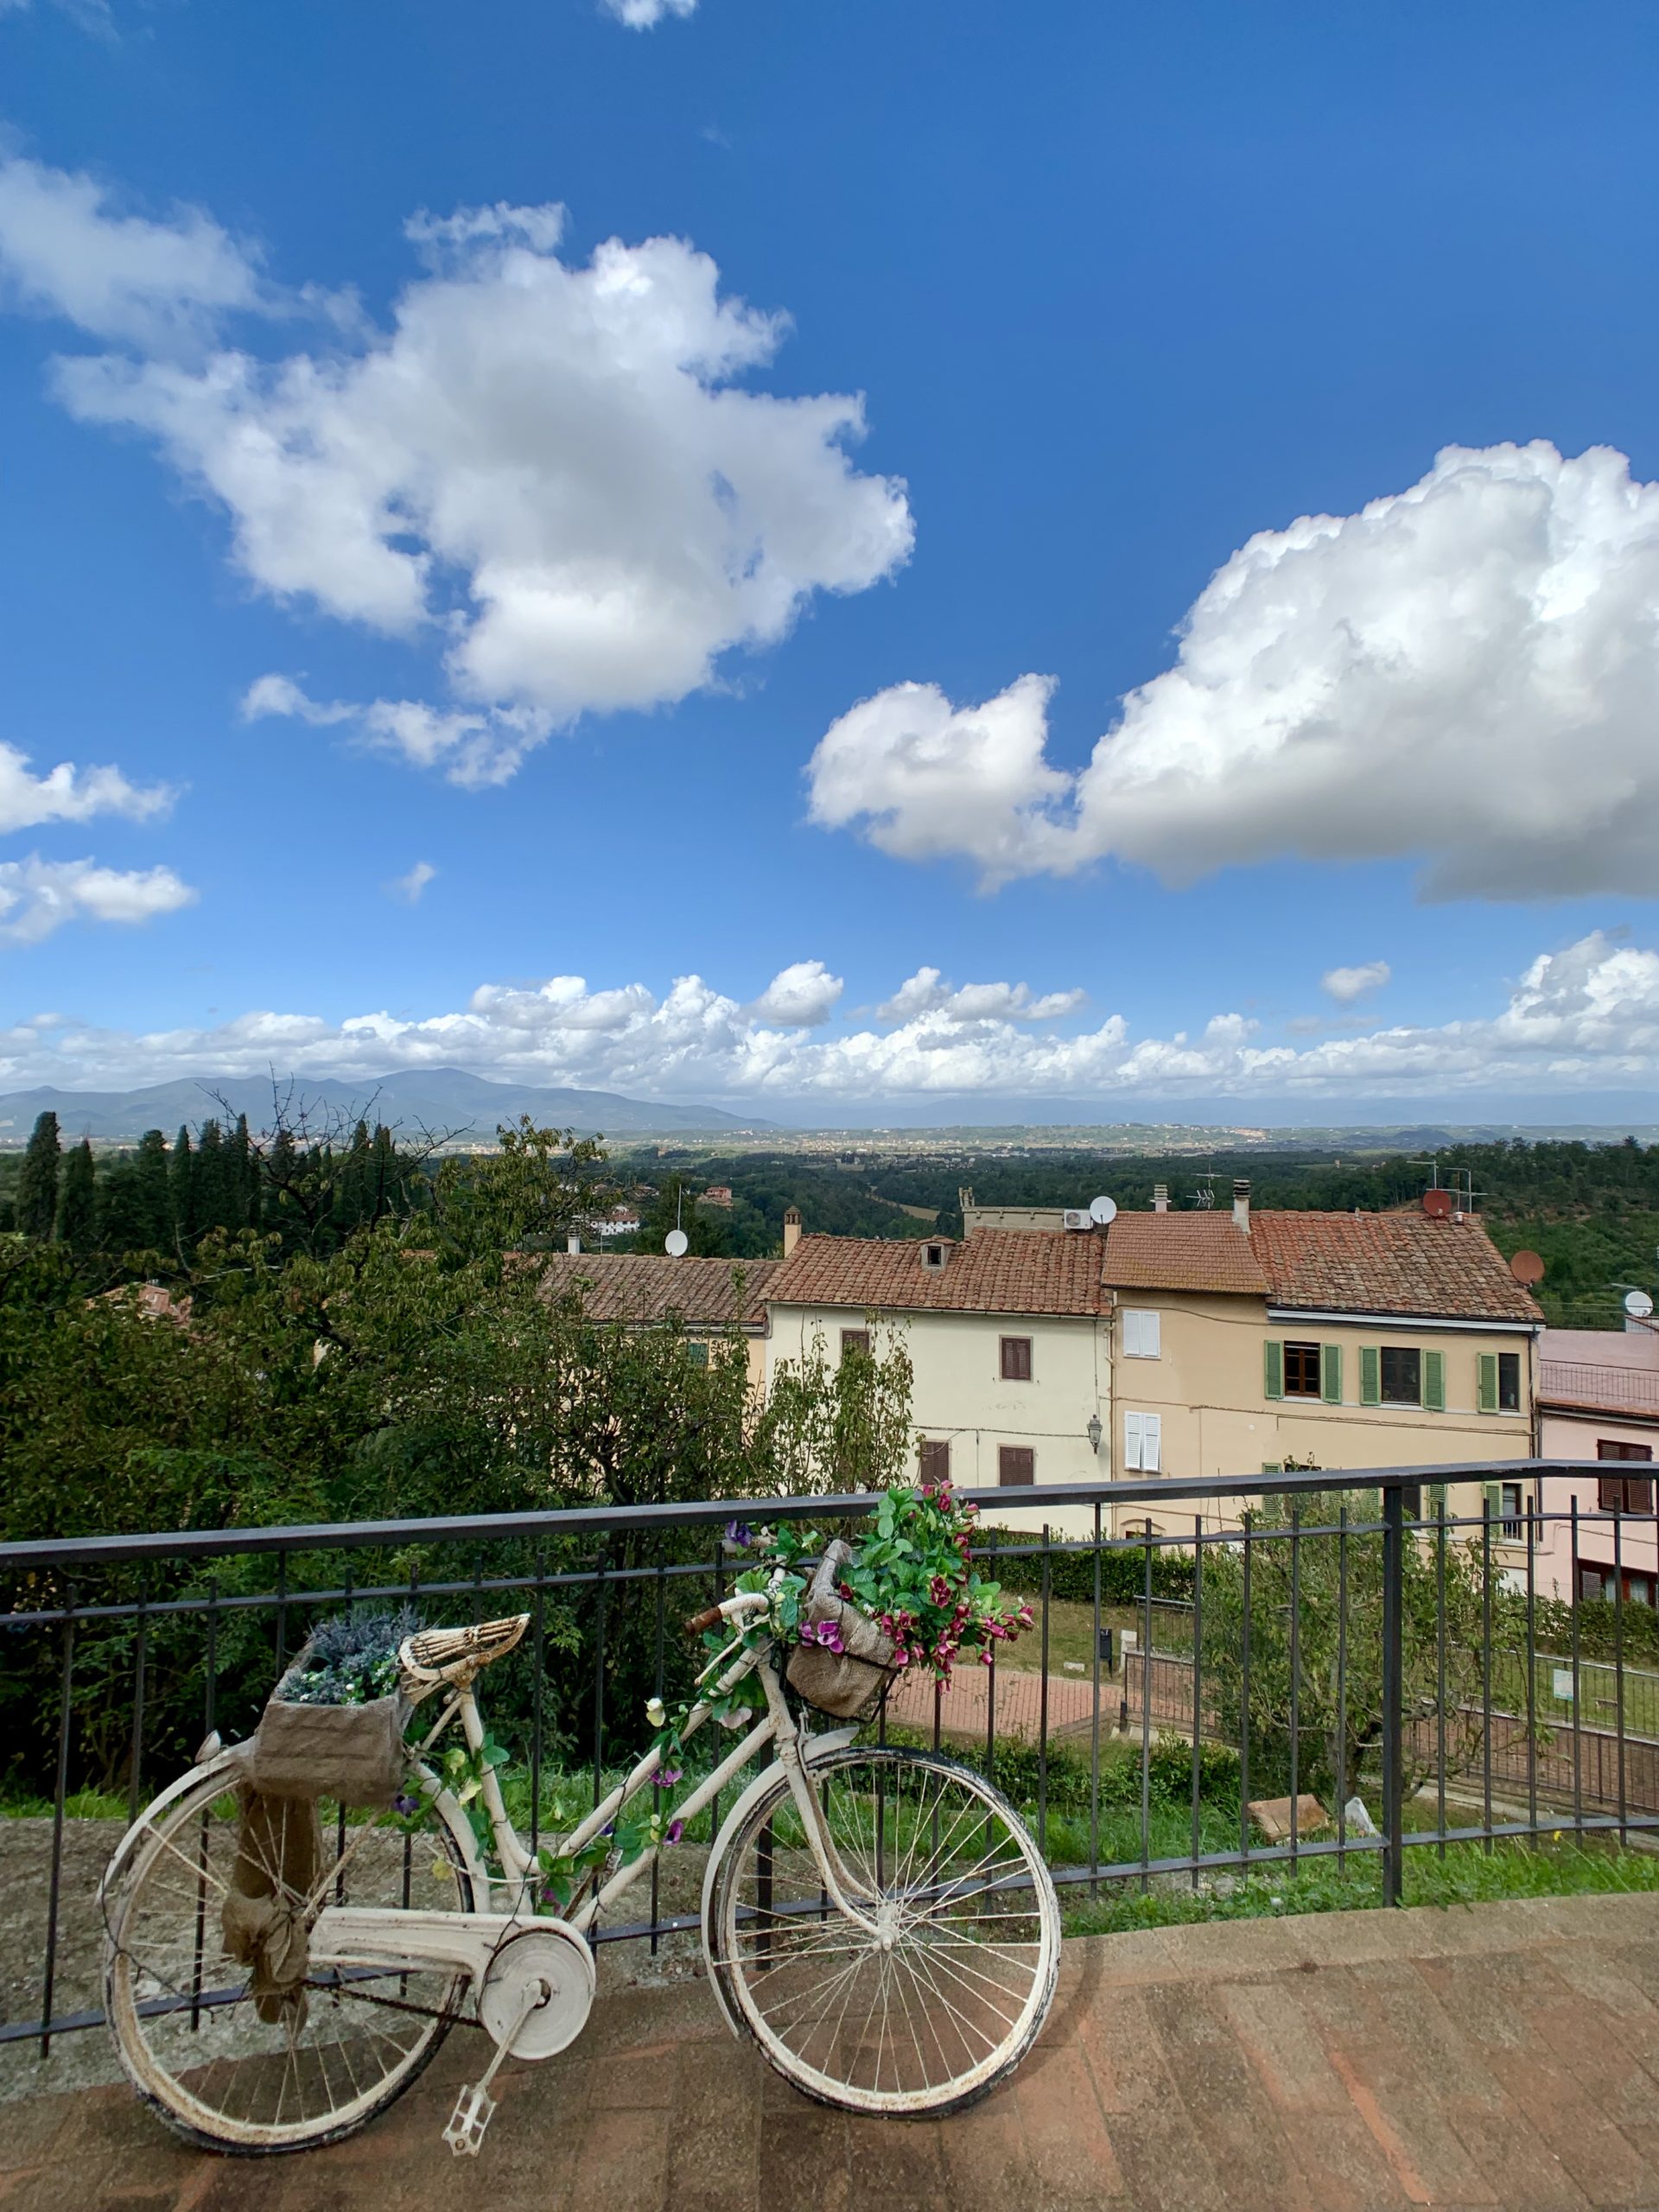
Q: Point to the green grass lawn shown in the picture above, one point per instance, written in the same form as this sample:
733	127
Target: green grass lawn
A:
1466	1874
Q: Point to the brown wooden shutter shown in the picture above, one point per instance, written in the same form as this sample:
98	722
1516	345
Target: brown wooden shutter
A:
1016	1466
1016	1359
934	1460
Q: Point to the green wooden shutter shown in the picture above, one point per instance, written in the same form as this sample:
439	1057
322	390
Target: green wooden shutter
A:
1434	1381
1274	1369
1494	1500
1331	1374
1437	1500
1370	1375
1488	1393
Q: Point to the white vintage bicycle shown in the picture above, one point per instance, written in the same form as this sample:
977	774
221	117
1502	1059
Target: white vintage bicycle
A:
878	1919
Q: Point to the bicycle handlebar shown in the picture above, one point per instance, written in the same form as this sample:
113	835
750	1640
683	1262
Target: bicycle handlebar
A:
747	1601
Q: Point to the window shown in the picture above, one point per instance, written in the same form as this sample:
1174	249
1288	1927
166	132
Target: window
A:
1593	1582
1301	1370
855	1340
934	1457
1143	1441
932	1256
1509	1381
1142	1333
1510	1507
1608	1448
1411	1500
1016	1466
697	1353
1401	1370
1625	1494
1016	1359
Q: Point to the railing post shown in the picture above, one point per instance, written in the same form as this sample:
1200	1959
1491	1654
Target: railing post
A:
1394	1611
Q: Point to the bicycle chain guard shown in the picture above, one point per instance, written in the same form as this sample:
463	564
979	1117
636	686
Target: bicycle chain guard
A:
557	1960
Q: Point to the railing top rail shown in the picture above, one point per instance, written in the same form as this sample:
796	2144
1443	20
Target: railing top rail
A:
594	1520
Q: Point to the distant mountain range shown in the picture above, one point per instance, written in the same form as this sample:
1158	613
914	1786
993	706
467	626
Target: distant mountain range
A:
445	1101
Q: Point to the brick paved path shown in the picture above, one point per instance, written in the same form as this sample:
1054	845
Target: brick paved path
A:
1506	2056
963	1707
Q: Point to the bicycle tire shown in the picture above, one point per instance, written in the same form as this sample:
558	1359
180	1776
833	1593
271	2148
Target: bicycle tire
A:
151	2008
951	1924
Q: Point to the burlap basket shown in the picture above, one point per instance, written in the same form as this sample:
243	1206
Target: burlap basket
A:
849	1683
353	1753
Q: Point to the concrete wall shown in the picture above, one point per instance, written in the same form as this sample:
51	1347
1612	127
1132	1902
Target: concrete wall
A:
1575	1436
960	1398
1209	1387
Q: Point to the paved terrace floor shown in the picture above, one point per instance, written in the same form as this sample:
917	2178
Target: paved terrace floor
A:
1500	2056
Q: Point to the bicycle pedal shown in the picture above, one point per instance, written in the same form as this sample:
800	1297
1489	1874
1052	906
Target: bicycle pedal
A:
474	2109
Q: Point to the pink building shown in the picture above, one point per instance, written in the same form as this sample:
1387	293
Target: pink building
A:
1599	1400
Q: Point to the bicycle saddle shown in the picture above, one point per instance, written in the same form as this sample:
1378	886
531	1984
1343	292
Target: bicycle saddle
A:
457	1655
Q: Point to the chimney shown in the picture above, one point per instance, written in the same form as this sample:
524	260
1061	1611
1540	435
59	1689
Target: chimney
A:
1242	1206
1160	1198
792	1229
573	1242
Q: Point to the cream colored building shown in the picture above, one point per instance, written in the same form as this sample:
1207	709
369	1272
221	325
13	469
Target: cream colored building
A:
1243	1341
1005	1338
1599	1400
1219	1344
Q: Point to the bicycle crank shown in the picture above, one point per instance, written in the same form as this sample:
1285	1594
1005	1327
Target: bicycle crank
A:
535	2000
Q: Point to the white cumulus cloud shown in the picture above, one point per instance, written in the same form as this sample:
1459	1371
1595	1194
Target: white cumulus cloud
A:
645	15
408	887
1463	671
562	473
1581	1017
927	992
471	749
1347	984
800	996
66	251
66	793
38	896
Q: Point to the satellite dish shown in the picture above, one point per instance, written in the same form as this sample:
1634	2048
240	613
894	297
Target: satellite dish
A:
1103	1211
1527	1266
676	1243
1638	1305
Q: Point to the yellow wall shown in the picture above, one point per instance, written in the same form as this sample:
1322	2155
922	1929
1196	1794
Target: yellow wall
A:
1209	1387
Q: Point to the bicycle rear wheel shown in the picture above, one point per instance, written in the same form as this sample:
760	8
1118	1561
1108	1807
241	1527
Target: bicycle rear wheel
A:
233	2071
943	1996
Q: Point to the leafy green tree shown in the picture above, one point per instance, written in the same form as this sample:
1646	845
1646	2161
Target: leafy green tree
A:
1320	1602
181	1181
77	1222
135	1203
37	1186
841	1428
528	1196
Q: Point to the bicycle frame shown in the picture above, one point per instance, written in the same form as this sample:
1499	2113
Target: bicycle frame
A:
508	1900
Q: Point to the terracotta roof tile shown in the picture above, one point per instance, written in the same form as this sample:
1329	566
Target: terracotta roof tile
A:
648	1285
995	1271
1387	1263
1181	1251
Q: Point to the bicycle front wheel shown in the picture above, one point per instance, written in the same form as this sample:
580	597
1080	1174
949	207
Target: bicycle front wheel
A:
945	1992
235	2069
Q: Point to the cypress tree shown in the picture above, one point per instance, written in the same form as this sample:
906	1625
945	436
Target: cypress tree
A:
385	1174
244	1178
154	1196
37	1186
354	1203
77	1222
181	1181
213	1180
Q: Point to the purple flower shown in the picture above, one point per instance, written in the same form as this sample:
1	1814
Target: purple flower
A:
676	1830
668	1775
405	1804
739	1533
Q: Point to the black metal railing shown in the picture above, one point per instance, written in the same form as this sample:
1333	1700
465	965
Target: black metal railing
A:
1343	1636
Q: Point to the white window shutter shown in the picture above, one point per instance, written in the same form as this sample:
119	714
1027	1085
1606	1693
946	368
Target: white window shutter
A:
1141	1332
1151	1440
1151	1331
1132	1436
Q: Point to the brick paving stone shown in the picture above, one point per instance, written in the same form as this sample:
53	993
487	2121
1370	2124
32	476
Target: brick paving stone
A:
1503	2056
1067	2144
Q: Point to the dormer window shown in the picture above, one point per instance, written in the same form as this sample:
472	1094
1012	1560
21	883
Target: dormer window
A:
934	1254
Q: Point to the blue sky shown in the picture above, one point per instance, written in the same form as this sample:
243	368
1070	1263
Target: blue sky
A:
467	605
